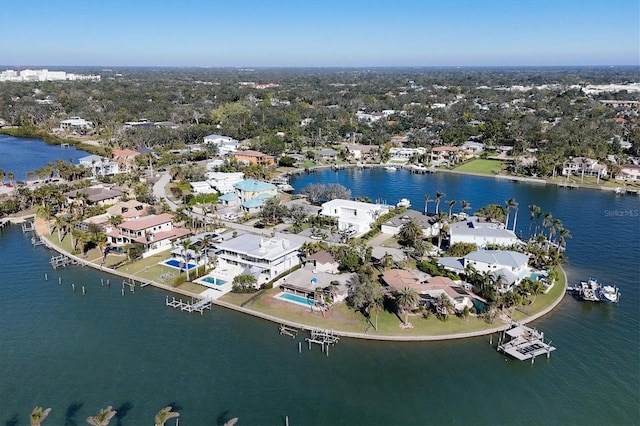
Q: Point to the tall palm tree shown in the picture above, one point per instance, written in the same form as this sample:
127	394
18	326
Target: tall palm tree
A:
3	175
512	203
464	205
11	176
563	234
164	415
533	214
547	222
103	418
439	195
185	255
38	415
426	203
443	305
450	203
407	299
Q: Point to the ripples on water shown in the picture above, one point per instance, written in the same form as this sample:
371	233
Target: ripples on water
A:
79	353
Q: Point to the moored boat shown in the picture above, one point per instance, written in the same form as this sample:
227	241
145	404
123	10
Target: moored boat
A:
592	291
404	203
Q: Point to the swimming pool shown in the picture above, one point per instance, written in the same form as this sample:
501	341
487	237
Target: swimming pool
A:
215	281
175	263
294	298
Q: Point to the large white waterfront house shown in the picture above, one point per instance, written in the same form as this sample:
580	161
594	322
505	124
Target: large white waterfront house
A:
265	258
354	215
480	232
100	166
507	267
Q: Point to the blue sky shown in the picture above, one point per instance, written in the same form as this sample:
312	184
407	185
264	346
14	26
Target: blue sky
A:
326	33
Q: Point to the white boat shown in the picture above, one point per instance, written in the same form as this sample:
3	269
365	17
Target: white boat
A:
390	168
404	203
592	291
285	187
608	293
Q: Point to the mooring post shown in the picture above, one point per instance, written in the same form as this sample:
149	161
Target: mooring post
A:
299	347
107	282
123	291
45	276
83	292
59	280
101	282
73	286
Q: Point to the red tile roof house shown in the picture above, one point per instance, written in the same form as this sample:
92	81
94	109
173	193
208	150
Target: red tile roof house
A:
155	232
125	158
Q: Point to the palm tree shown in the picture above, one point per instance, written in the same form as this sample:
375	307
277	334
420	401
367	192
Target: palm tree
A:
407	299
534	213
3	174
164	415
439	195
514	205
443	305
185	255
450	204
547	222
60	224
11	176
38	415
563	234
464	205
103	418
426	203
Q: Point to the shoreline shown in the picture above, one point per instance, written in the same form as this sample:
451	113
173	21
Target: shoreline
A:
348	334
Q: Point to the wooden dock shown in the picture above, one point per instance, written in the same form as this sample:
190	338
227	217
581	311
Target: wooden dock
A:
288	331
523	343
37	241
198	306
61	261
324	338
28	226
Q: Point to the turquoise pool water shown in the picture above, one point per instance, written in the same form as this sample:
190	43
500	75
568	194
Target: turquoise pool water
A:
215	281
288	297
174	263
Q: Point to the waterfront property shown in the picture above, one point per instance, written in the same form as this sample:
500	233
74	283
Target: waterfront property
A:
506	267
430	225
249	195
100	166
155	232
481	232
323	261
296	299
353	215
265	258
254	157
523	343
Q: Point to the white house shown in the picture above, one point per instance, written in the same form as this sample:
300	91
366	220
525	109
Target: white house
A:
224	182
354	215
429	224
323	261
262	257
508	267
404	154
75	123
155	232
629	172
584	166
226	144
478	231
100	166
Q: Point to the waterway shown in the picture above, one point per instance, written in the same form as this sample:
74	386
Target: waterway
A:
78	353
23	155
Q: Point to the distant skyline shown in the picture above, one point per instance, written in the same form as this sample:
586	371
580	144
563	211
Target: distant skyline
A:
327	33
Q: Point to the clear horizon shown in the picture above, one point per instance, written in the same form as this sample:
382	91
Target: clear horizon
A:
320	34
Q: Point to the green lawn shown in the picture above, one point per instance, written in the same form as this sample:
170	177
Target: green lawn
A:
481	166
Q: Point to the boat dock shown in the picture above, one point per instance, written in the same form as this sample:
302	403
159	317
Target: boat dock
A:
198	306
324	338
523	343
61	261
288	331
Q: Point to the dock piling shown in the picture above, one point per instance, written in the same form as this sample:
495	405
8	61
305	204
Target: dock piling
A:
45	276
83	292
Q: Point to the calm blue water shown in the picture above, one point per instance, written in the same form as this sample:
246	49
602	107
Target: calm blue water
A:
20	155
78	353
